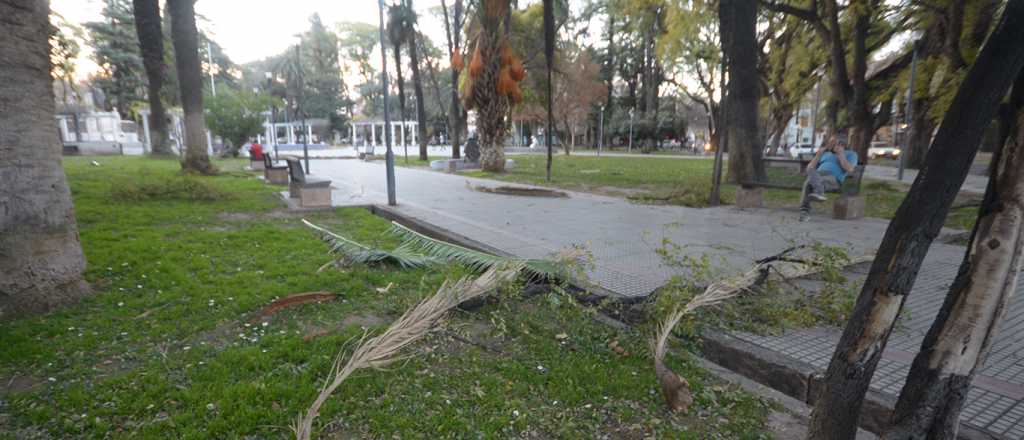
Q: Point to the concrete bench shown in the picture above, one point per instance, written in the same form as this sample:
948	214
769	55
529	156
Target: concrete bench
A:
848	206
312	192
274	174
256	164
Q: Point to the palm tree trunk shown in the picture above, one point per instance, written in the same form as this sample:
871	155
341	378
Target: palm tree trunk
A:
401	88
190	81
151	43
417	85
911	232
40	255
491	108
958	341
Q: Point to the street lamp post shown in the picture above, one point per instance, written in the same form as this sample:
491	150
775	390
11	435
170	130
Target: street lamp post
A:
600	133
270	116
389	157
298	108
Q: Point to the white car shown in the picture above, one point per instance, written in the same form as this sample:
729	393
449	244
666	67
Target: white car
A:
798	150
882	149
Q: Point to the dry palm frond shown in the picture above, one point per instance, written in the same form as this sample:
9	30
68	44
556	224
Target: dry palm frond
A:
353	252
413	241
675	388
380	350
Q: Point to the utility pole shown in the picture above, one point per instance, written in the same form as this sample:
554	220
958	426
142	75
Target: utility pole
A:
389	158
910	114
298	107
600	133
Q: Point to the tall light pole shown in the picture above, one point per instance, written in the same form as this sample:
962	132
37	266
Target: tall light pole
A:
389	157
814	115
270	115
209	55
600	132
299	98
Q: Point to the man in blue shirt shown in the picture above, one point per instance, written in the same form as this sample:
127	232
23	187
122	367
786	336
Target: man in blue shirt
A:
826	171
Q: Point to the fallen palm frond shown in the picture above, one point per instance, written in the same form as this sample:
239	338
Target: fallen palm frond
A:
353	252
380	350
413	241
674	387
292	300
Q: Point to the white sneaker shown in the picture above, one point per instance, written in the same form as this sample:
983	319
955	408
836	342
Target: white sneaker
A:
817	197
805	217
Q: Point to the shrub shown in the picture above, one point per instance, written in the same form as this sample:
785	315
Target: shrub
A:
186	188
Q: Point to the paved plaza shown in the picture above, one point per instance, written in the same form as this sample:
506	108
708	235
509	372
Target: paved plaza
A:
623	239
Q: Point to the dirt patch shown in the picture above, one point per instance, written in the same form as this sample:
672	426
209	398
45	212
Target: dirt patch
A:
248	216
363	320
519	191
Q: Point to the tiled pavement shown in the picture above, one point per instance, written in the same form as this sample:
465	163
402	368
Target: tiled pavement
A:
623	239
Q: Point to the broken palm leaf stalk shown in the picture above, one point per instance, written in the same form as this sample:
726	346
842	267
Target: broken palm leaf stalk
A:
354	252
478	261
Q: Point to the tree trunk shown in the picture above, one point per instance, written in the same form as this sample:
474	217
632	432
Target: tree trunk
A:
917	222
491	108
401	88
151	44
453	31
417	84
921	134
857	105
40	255
959	340
738	18
190	80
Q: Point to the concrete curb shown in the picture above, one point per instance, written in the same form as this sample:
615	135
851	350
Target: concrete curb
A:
802	381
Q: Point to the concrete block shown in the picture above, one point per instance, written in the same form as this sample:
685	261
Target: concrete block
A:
276	176
294	190
256	165
849	207
315	197
749	197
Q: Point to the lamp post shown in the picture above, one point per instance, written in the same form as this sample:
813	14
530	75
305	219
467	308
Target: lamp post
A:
600	133
270	116
299	98
389	157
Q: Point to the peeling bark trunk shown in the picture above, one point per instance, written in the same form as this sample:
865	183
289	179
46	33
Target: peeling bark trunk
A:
190	80
959	340
41	259
916	224
151	44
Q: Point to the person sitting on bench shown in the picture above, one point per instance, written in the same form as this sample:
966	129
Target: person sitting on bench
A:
826	171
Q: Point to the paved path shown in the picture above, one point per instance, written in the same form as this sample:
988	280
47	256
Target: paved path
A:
973	184
624	239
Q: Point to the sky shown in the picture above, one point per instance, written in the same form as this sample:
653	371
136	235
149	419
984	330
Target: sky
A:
250	30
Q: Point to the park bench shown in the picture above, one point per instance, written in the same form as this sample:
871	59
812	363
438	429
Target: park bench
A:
849	205
800	163
274	174
312	192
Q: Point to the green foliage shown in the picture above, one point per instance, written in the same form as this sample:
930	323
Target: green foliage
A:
116	51
235	115
165	347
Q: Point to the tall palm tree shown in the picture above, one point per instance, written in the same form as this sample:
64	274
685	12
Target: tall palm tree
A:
151	43
40	256
185	37
491	106
453	30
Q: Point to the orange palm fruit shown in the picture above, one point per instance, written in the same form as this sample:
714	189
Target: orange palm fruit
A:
517	70
505	82
476	66
457	61
506	54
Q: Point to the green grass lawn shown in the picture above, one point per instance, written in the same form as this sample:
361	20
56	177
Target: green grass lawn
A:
687	182
165	348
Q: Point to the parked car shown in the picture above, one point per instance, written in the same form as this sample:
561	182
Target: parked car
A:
804	150
882	149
